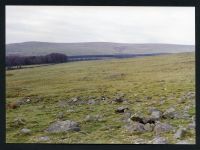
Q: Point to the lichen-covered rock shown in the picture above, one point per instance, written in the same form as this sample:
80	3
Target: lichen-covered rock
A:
63	126
156	114
149	127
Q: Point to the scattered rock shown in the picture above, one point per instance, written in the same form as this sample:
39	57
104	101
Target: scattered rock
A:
159	140
121	109
169	113
63	126
135	127
44	138
180	133
25	131
162	127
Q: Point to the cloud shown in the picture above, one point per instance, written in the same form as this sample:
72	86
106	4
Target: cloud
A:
97	23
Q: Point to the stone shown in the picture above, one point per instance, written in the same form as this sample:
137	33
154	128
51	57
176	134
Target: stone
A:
192	125
18	122
121	109
162	127
159	140
139	141
148	127
169	113
90	118
44	138
25	131
156	114
63	126
180	133
91	102
135	127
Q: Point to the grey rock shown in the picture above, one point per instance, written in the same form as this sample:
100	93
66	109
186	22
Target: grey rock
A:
17	122
91	102
192	125
169	113
25	131
63	126
121	109
156	114
180	133
162	127
148	127
90	118
134	127
159	140
44	138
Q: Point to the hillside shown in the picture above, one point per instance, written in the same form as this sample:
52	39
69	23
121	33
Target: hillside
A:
93	48
89	93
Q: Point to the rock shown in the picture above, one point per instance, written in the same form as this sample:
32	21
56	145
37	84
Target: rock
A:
136	118
18	122
162	127
159	140
25	131
180	133
183	142
121	109
148	127
135	127
151	109
119	98
44	138
156	114
139	141
126	117
63	126
169	113
90	118
91	102
192	125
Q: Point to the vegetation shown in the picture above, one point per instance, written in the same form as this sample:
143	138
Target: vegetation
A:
165	77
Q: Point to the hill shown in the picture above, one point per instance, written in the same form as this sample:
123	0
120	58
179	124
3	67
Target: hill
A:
93	48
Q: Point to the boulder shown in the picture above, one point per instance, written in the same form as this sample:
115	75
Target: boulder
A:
63	126
162	127
169	113
148	127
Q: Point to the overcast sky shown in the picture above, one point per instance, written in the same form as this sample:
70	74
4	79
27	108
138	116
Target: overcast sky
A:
100	24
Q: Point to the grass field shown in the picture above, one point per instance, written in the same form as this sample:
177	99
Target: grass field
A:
165	77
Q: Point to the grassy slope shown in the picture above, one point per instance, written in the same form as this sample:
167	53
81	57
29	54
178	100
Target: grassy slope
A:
157	76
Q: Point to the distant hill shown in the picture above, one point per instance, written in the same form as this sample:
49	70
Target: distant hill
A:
93	48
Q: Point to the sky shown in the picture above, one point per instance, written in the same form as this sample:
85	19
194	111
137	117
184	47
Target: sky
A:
69	24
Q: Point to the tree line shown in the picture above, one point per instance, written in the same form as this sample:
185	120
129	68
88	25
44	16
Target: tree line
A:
18	61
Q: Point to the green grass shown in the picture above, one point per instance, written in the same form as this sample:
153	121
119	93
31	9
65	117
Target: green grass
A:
167	76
